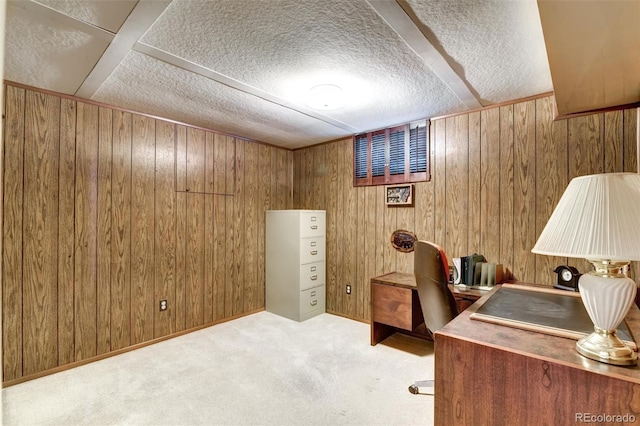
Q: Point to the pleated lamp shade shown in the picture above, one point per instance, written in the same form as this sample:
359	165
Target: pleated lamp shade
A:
598	217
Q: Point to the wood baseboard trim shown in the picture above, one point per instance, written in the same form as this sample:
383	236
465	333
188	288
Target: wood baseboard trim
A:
339	314
123	350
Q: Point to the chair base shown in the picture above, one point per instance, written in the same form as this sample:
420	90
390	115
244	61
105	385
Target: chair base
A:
415	388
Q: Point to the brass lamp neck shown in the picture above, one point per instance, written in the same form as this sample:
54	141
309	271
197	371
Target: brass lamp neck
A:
608	268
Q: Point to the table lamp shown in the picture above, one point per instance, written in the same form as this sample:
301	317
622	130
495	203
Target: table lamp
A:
598	219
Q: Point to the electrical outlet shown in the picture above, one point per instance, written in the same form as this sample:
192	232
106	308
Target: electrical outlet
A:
348	289
163	305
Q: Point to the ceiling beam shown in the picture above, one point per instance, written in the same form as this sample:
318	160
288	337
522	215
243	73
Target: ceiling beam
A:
143	15
401	23
185	64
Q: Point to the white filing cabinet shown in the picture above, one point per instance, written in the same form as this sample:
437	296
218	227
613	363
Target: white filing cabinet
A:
295	263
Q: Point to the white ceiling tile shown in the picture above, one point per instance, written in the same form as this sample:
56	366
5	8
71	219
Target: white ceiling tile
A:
42	54
106	14
496	45
145	84
287	47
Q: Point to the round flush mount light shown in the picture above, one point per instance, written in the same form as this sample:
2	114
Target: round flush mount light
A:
325	96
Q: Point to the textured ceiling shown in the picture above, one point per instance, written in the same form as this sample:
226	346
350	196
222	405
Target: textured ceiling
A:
244	66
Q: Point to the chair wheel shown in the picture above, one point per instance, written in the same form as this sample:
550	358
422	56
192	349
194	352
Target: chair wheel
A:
414	389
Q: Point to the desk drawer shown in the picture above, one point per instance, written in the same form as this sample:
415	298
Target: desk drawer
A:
395	306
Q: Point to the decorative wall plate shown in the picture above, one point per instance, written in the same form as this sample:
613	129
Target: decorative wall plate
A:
403	241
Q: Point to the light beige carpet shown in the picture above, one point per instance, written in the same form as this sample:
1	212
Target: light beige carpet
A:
262	369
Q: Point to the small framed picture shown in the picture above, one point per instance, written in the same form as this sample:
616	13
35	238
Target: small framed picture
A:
399	195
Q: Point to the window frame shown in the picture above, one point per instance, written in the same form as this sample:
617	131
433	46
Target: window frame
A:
388	178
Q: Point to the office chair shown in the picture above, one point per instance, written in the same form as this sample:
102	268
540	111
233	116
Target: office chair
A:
431	270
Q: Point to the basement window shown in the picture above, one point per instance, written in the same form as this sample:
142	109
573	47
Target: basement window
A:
390	156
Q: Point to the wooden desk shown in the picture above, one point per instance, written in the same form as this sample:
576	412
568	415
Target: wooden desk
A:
488	374
395	305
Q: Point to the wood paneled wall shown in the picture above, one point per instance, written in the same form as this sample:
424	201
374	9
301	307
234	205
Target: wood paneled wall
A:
497	175
99	227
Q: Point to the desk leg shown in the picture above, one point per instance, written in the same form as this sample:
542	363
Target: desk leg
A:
379	332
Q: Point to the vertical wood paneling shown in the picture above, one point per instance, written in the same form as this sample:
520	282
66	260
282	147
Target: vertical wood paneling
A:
86	230
551	179
181	159
424	200
219	164
506	188
121	235
251	287
319	177
195	232
476	213
368	247
195	160
349	232
165	230
457	184
181	257
209	163
297	170
209	258
440	181
489	190
284	169
40	233
360	255
331	225
264	204
103	286
613	141
230	248
230	166
381	238
239	229
630	124
524	207
66	182
142	229
14	129
219	251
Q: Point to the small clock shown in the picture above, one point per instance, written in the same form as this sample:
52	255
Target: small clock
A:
567	278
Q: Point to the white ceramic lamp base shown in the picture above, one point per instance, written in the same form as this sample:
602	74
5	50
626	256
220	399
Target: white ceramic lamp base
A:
607	300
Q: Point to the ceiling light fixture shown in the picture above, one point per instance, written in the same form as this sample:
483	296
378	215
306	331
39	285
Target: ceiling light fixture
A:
325	96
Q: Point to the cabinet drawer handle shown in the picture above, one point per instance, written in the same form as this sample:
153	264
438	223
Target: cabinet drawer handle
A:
314	302
313	269
314	277
313	293
314	252
314	226
313	243
313	218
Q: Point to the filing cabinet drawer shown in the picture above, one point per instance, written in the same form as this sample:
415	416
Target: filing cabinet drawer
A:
311	250
312	224
312	300
312	275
